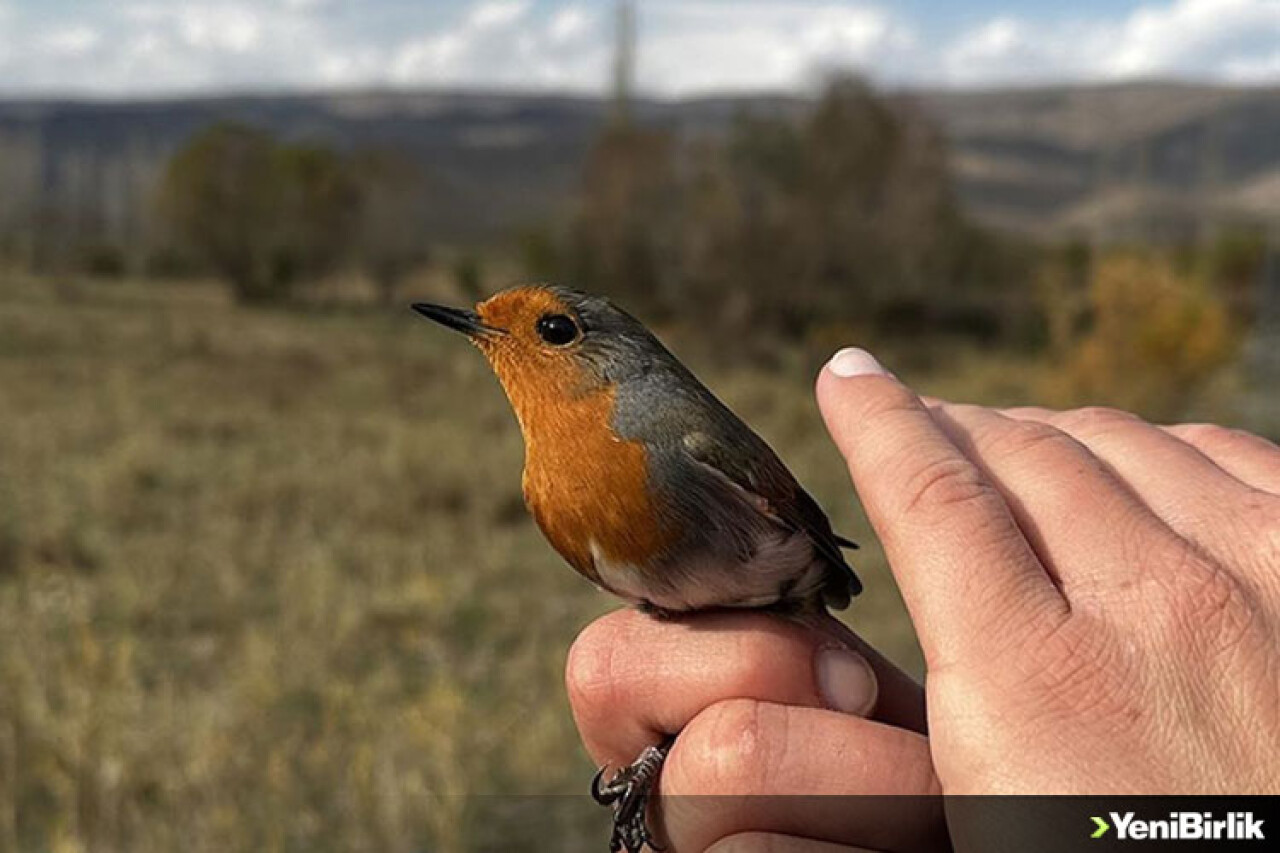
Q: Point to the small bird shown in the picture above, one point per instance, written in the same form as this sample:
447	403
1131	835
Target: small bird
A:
647	484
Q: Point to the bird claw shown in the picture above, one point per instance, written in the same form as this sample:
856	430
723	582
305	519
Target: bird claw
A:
628	793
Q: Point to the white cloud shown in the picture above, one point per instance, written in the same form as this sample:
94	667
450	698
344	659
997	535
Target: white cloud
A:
492	14
151	46
494	44
1255	69
1230	39
686	46
568	23
995	39
231	28
692	46
72	41
1195	34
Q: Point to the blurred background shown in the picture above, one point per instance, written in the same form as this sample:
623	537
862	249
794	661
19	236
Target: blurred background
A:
266	579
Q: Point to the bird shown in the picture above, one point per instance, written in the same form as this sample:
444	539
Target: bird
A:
647	484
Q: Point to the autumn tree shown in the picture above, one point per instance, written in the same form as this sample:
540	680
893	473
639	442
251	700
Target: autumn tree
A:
1152	340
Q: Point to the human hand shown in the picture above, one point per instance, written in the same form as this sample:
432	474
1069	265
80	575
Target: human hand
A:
1098	599
764	708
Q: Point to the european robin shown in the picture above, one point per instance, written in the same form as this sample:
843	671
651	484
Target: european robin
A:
646	483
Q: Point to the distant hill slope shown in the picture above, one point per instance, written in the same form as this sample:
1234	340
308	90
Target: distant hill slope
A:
1118	159
1109	161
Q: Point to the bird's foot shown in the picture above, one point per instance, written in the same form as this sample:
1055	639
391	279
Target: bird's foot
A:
628	792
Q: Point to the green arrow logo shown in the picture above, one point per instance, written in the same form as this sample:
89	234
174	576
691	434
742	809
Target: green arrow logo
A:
1102	828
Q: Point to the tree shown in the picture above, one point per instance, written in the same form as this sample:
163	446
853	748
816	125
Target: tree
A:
260	214
837	216
219	198
317	213
845	215
1154	340
625	237
389	241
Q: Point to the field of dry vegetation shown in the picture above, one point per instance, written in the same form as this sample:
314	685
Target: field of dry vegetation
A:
267	583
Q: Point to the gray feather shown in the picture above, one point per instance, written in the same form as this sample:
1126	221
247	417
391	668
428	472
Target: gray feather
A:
703	454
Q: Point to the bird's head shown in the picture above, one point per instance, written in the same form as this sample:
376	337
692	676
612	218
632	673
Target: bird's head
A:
548	344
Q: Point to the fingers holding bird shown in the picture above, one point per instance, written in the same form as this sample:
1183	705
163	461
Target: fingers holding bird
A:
749	766
731	684
633	679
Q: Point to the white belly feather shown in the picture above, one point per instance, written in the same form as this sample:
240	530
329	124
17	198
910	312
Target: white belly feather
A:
782	560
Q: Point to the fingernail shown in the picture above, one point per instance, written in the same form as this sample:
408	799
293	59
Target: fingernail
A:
852	362
846	681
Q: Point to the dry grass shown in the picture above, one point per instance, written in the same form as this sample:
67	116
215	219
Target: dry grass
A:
266	581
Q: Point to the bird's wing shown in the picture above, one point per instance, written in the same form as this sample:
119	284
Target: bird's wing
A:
751	466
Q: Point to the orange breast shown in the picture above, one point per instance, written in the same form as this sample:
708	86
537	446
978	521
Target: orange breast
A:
586	487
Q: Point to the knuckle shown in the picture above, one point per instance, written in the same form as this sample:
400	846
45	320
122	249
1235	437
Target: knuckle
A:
1201	607
1077	668
724	750
1207	435
889	402
944	484
1020	438
1020	615
1098	420
591	670
1062	649
876	409
1251	534
767	656
1167	569
1213	608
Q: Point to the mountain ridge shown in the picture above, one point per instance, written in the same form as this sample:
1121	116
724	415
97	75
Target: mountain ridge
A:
1048	161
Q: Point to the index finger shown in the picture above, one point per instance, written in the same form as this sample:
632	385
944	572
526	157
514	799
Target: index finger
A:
951	540
633	679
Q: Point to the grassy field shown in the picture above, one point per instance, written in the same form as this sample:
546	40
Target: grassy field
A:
267	582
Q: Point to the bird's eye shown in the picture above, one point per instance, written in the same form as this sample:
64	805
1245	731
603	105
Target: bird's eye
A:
557	329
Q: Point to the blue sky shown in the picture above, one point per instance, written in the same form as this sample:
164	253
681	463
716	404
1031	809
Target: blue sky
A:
148	47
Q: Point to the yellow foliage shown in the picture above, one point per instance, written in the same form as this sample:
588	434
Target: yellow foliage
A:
1155	339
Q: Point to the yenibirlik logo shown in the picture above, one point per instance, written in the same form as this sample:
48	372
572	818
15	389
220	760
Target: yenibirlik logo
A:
1182	826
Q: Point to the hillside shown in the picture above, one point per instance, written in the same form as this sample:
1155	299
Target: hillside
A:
1133	160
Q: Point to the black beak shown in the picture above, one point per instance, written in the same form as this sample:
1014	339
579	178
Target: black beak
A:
467	322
